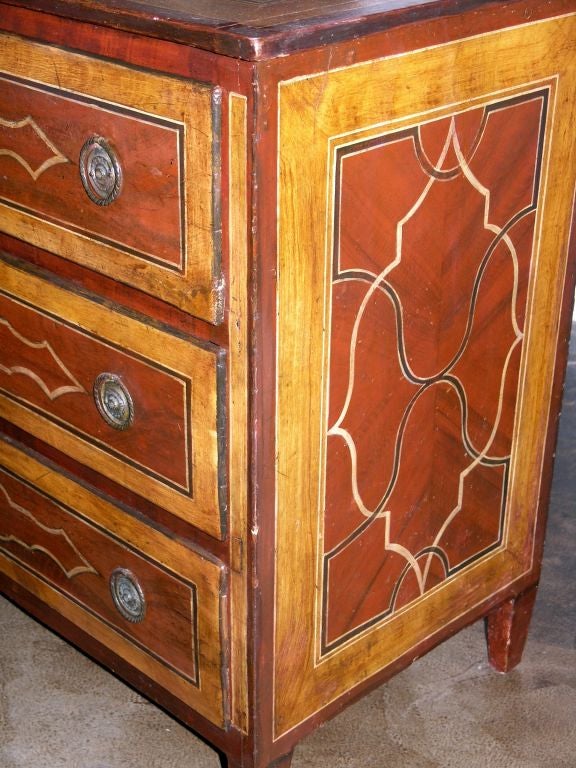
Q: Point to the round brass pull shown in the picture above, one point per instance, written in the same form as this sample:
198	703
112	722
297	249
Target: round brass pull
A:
100	171
127	595
113	401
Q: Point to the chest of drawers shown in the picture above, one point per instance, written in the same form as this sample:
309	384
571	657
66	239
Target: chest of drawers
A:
285	291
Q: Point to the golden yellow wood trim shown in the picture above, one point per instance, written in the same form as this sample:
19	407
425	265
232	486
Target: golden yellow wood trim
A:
187	103
371	98
176	354
206	575
238	427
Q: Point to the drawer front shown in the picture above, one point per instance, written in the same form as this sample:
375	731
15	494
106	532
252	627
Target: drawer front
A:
429	249
112	168
132	402
161	612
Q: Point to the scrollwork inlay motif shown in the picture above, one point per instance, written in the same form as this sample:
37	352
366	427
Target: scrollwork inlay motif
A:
7	127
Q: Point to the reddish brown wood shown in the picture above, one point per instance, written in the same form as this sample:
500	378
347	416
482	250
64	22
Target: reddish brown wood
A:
96	285
507	630
58	379
259	30
261	558
140	146
267	260
418	388
133	504
142	51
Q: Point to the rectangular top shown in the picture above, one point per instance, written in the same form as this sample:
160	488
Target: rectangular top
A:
254	29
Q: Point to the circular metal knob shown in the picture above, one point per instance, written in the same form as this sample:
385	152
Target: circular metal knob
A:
127	595
113	401
100	171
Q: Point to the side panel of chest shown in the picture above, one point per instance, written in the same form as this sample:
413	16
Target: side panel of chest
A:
113	168
422	243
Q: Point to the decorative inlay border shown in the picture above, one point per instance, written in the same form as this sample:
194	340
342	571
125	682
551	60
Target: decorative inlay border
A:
166	132
177	131
77	595
452	164
177	386
63	418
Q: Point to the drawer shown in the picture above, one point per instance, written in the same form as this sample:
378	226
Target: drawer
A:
153	602
133	402
112	168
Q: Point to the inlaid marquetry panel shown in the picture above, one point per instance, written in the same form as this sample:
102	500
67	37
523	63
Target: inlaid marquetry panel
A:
56	345
22	530
423	237
433	243
162	232
26	143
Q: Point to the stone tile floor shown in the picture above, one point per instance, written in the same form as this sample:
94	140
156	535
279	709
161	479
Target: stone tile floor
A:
448	710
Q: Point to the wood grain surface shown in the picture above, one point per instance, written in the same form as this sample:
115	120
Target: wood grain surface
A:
428	318
238	431
165	133
78	559
335	286
337	109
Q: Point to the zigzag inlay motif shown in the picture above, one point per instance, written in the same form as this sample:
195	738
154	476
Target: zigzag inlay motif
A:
55	158
24	370
429	293
39	543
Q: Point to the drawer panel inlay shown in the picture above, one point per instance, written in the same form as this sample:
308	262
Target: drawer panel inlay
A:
79	560
285	298
157	226
158	442
152	601
27	144
51	373
43	161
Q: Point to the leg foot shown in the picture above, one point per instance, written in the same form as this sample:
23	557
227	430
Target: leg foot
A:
507	630
281	762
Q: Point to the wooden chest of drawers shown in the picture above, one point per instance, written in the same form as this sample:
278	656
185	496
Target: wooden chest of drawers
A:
285	291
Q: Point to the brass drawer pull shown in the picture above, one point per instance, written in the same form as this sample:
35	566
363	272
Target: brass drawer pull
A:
100	171
113	401
127	595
